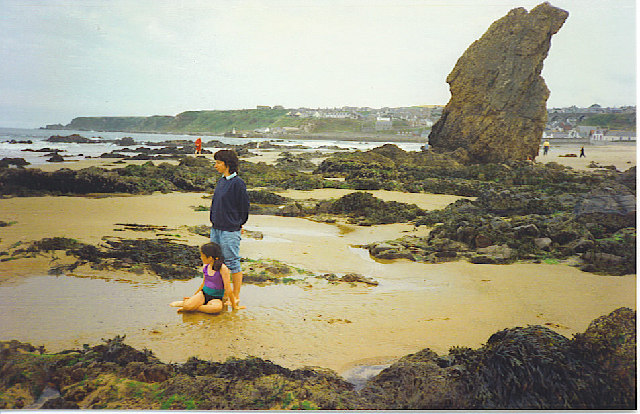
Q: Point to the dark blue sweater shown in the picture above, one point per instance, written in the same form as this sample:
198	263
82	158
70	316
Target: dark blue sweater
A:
229	205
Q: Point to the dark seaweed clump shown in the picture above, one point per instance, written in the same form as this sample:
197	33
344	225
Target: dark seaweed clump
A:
530	368
167	259
520	368
191	174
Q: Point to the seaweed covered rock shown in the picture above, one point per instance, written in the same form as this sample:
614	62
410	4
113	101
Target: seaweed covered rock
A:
610	342
290	161
497	109
17	162
365	209
167	259
530	368
192	174
614	255
611	206
417	382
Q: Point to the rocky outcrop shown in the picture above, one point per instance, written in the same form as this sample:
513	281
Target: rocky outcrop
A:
497	109
611	206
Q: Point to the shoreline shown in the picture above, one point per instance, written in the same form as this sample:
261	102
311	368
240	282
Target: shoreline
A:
320	136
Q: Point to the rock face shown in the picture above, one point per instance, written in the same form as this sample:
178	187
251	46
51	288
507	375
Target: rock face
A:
497	109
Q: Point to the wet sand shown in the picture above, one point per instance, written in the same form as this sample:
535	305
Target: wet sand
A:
312	323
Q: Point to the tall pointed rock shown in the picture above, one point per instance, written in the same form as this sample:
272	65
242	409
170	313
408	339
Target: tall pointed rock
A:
498	105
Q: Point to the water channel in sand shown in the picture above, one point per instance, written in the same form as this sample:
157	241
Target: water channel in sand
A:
307	323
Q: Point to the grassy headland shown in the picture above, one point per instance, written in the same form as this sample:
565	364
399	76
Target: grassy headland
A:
242	121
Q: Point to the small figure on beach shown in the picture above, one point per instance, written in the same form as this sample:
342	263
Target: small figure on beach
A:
215	289
229	212
198	146
545	147
582	152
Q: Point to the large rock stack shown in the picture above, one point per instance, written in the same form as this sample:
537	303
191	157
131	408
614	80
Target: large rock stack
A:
497	110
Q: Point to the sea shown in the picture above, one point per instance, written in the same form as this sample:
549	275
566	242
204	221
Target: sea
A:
73	151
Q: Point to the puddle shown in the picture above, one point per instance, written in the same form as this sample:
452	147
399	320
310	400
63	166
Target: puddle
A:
311	322
359	375
55	306
296	231
48	394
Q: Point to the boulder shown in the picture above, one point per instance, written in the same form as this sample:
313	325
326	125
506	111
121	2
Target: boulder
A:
502	252
542	243
497	109
612	206
290	210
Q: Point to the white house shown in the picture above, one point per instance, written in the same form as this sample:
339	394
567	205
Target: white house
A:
383	123
613	136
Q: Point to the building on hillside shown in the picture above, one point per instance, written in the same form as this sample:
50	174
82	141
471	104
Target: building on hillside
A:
616	136
602	136
383	123
571	134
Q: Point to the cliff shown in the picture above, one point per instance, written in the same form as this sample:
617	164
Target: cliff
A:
204	122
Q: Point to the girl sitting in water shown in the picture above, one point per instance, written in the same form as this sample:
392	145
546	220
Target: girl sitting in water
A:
214	291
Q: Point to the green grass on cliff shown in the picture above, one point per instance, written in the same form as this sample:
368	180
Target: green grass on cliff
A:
215	122
224	121
625	122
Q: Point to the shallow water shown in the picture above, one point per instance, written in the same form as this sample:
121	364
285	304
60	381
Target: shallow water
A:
338	326
313	322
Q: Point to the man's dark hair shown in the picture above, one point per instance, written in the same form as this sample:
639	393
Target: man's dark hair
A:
229	157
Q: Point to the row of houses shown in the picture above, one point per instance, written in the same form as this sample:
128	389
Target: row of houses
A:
591	133
417	115
593	109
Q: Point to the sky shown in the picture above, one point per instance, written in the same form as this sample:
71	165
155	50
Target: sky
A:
64	59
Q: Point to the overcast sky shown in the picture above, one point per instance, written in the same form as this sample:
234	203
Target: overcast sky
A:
62	59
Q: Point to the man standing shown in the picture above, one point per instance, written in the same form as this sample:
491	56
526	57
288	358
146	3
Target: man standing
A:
545	147
229	211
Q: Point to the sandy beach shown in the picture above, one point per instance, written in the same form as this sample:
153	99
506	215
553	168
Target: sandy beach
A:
315	323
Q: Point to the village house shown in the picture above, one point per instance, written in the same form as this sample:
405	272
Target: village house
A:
570	134
383	123
613	136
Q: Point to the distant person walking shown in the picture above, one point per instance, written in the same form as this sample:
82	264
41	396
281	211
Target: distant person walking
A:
582	152
198	146
545	147
229	211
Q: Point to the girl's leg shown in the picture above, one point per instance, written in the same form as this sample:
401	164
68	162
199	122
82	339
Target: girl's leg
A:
193	303
179	303
213	306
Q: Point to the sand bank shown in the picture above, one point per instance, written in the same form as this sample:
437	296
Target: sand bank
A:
622	155
313	323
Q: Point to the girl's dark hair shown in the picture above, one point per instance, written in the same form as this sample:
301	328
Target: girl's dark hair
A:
213	250
229	157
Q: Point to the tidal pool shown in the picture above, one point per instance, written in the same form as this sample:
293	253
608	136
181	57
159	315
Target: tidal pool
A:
338	326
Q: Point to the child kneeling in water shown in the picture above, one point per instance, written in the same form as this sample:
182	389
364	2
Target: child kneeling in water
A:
215	287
